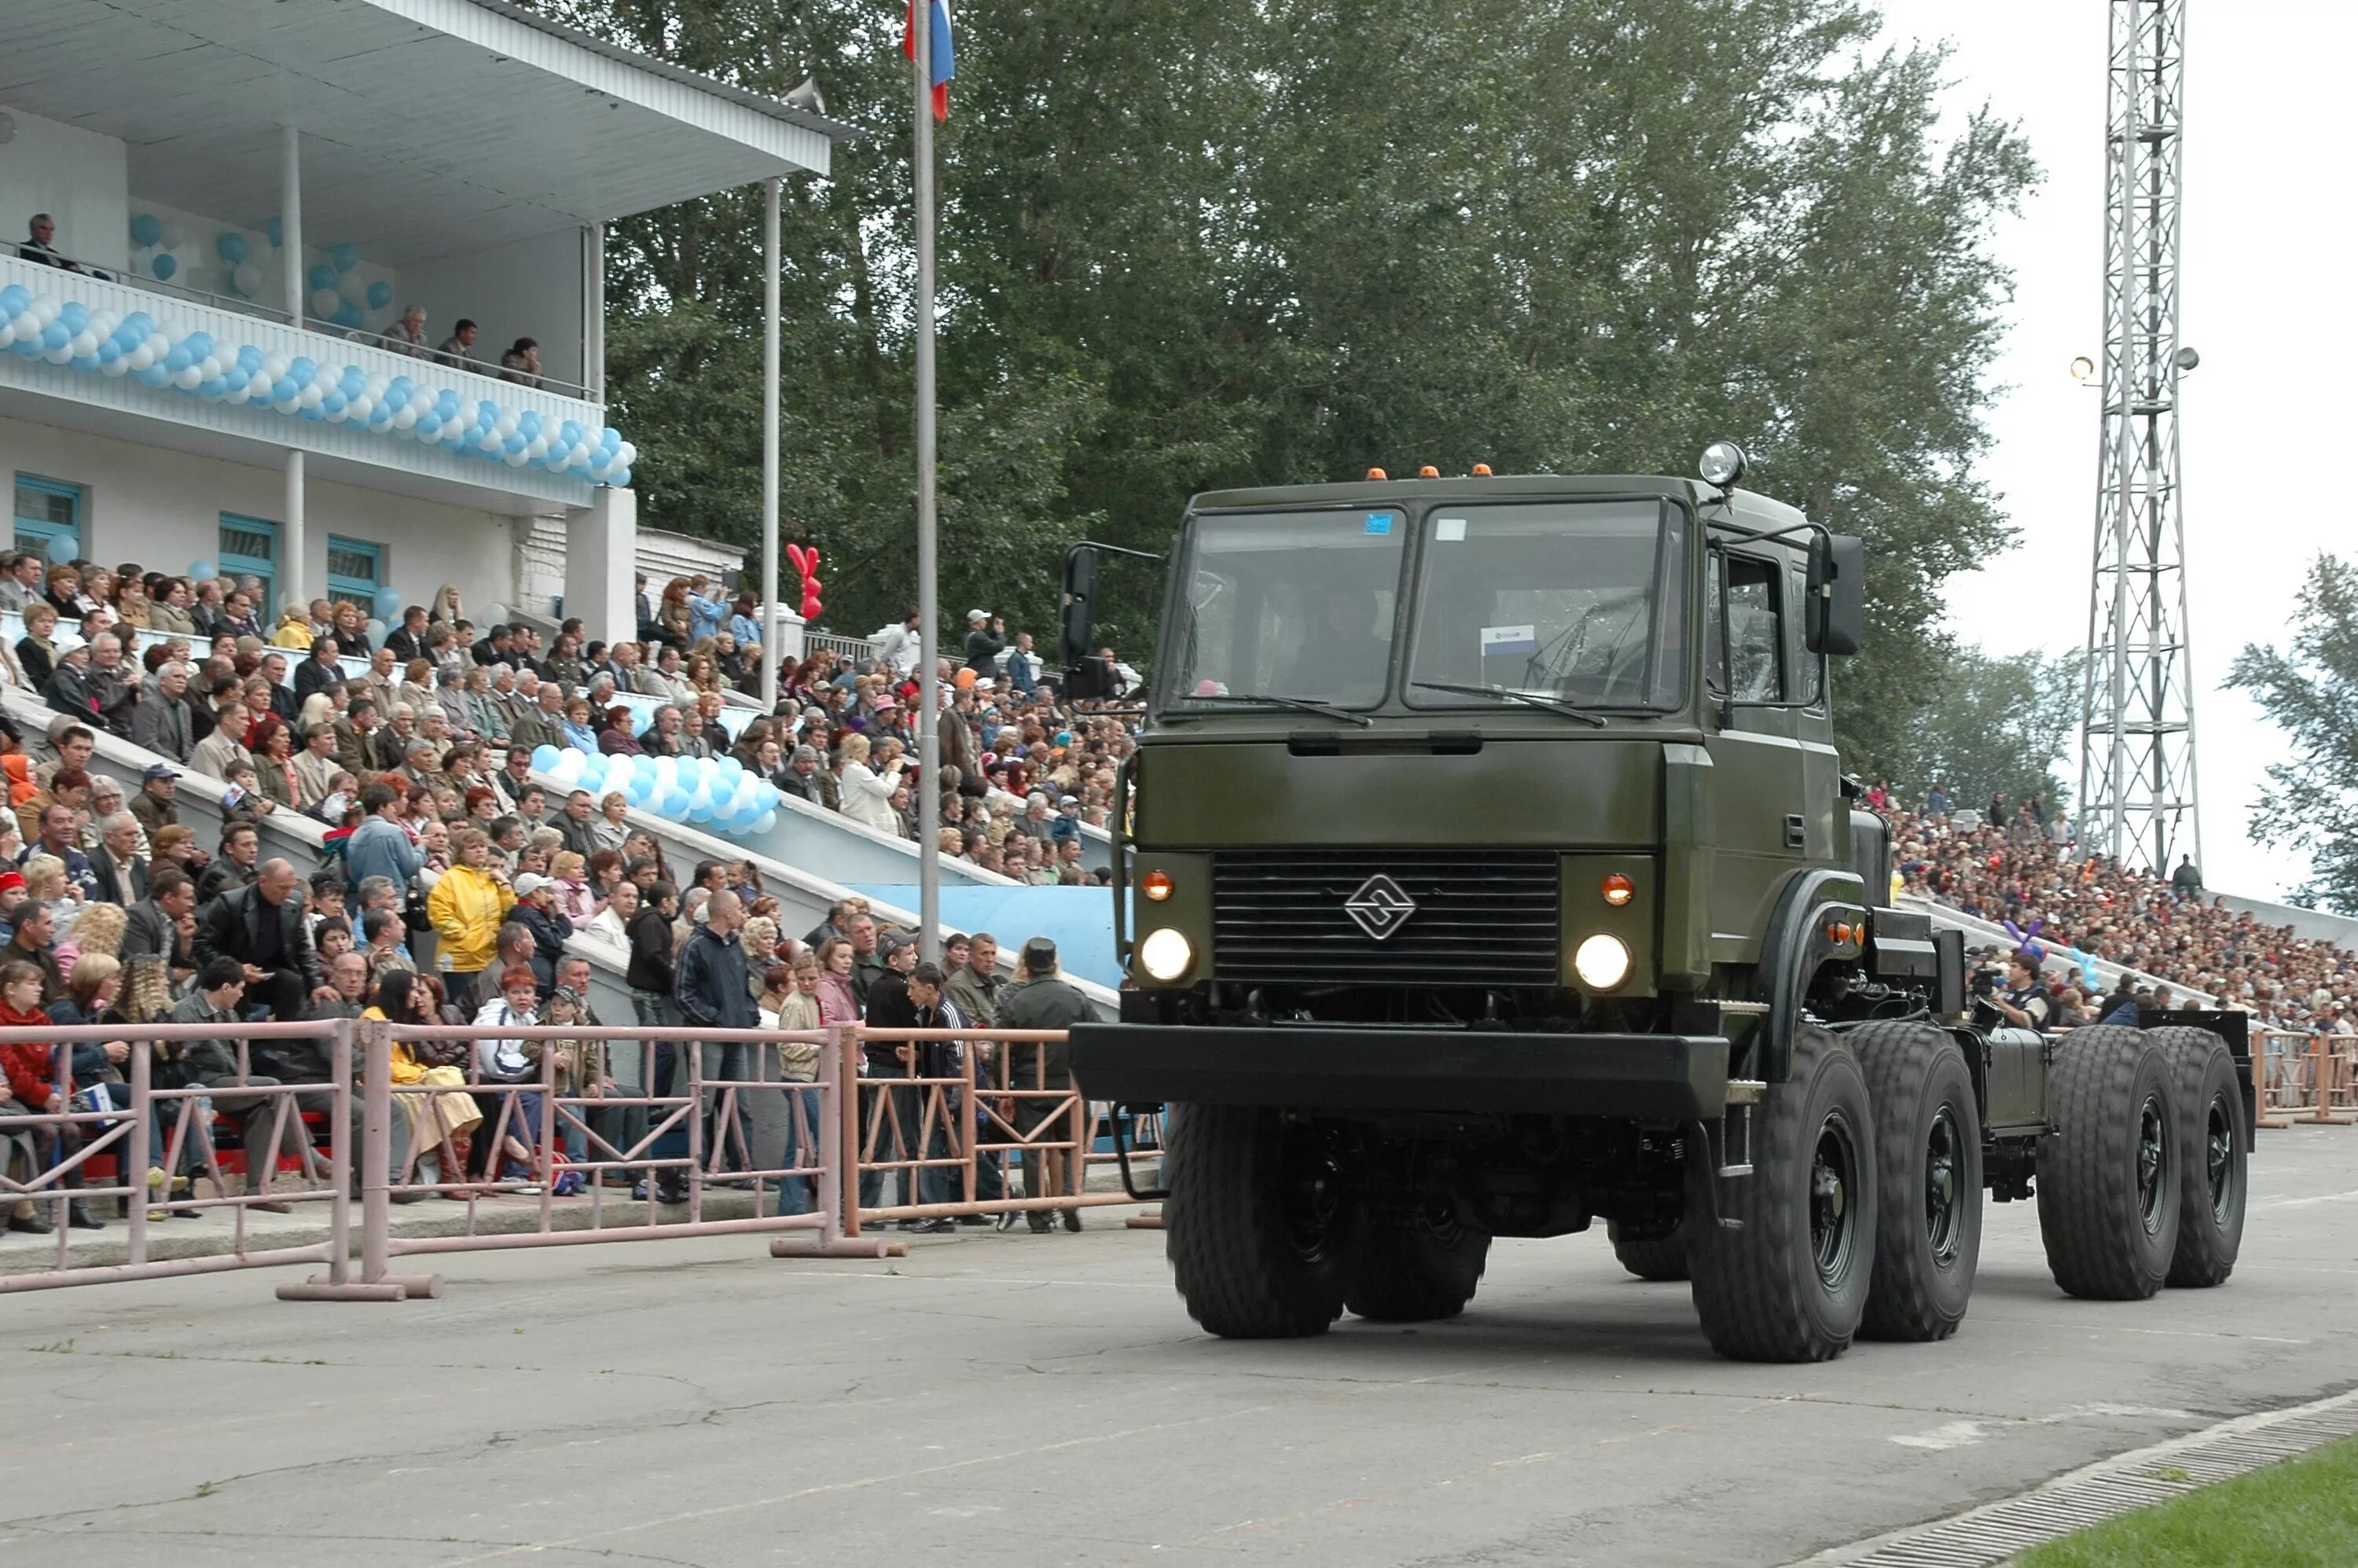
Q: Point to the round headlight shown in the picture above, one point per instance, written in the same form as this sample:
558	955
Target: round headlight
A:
1602	962
1165	955
1722	463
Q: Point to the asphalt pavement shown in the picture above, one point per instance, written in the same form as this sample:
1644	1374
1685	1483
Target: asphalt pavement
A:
996	1399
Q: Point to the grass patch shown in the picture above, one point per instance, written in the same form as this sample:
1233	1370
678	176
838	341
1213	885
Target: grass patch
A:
2300	1513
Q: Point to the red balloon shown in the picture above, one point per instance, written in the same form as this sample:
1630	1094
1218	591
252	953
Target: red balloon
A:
810	559
795	554
811	607
812	587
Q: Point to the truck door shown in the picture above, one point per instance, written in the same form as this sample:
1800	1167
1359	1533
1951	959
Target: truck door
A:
1761	823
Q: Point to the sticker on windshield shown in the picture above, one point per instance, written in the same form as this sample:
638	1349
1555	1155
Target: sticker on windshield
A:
1448	530
1379	521
1509	641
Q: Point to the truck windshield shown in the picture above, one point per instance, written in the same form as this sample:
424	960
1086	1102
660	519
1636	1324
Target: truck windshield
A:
1296	606
1581	601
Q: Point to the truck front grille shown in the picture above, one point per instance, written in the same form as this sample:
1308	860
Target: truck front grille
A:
1480	919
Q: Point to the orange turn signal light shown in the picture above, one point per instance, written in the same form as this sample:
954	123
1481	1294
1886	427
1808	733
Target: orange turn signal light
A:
1619	890
1840	934
1428	472
1378	473
1481	471
1155	885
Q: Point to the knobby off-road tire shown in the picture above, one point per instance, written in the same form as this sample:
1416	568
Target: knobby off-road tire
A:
2108	1174
1249	1260
1791	1284
1412	1268
2215	1168
1659	1257
1927	1143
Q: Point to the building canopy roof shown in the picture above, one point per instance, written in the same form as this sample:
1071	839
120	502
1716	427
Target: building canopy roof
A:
430	126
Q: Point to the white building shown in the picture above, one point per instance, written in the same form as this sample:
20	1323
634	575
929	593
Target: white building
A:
273	184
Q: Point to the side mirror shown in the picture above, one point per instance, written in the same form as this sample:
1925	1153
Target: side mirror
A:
1836	621
1076	612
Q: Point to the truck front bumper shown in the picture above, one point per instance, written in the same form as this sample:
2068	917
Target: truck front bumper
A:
1652	1077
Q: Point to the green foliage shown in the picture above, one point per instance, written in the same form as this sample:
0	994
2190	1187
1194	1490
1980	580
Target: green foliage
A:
1202	243
2300	1513
1991	726
2310	689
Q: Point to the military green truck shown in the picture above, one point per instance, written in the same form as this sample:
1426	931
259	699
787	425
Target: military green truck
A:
1491	871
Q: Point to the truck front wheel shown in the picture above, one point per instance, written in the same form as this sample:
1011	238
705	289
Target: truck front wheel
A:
1789	1282
1413	1268
1255	1225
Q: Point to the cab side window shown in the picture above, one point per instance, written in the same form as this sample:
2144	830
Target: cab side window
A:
1747	630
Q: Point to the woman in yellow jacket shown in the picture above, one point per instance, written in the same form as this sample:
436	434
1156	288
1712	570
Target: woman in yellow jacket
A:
466	907
294	629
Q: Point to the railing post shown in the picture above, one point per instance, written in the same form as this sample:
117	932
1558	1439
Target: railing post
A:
339	1286
144	1138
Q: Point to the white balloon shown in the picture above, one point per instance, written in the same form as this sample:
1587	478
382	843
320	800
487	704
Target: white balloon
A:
212	367
406	418
176	233
139	358
505	425
187	379
625	455
241	395
324	302
354	288
118	366
514	460
83	344
58	355
361	407
257	387
248	279
274	364
309	396
103	322
159	345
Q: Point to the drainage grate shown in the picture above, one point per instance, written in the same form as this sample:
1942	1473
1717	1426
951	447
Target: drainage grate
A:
1991	1534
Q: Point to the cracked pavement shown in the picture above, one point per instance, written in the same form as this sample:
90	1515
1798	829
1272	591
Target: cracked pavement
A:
1043	1400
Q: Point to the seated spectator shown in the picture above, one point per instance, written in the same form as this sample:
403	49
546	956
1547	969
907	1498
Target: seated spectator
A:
39	247
407	335
261	926
458	349
212	1063
37	655
510	1060
521	363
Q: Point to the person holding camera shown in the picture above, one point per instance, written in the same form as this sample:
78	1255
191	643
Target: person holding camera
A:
2024	1003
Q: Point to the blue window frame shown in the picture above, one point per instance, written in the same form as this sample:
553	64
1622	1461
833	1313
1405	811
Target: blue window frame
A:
249	547
353	572
47	510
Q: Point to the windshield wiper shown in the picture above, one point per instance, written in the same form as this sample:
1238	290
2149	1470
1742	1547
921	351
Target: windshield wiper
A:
1299	704
1531	698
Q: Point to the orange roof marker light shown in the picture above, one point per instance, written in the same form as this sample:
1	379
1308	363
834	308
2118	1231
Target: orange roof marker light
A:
1378	473
1481	471
1428	472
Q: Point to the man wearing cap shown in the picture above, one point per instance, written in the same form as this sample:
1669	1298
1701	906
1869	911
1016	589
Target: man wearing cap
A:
1041	997
985	636
535	909
154	804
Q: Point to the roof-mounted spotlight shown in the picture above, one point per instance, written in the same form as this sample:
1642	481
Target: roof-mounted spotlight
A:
1723	464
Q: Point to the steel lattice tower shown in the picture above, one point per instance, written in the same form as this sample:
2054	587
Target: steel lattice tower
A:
2137	752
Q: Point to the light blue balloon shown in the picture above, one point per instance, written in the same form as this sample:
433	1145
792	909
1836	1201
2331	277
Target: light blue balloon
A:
108	352
675	805
310	415
346	256
348	316
165	268
200	568
380	294
233	379
276	232
231	246
146	229
388	605
74	314
323	277
56	335
300	370
13	298
620	478
427	427
331	403
766	821
62	547
543	757
154	376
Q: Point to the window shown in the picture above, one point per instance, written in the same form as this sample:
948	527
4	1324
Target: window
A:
1295	604
47	509
249	547
1747	630
353	572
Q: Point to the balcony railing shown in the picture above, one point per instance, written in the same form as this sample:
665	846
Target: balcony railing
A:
126	345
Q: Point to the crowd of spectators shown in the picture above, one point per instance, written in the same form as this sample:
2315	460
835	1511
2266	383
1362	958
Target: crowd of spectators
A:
456	882
2020	862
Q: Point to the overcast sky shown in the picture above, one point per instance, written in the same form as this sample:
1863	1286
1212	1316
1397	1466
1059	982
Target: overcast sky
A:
2266	250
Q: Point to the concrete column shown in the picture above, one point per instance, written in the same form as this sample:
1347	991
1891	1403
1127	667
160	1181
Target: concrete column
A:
593	312
601	551
290	218
770	590
291	589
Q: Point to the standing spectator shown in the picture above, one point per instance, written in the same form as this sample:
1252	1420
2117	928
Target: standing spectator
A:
466	907
160	722
2187	880
1041	997
1023	666
711	989
973	988
535	909
382	845
986	637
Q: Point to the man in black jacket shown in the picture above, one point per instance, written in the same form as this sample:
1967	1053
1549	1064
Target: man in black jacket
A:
407	640
650	977
319	672
710	990
151	927
262	927
535	909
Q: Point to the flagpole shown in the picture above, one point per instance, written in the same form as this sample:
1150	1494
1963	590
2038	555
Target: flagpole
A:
929	741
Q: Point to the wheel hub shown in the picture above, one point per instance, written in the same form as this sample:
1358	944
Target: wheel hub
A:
2219	1159
1943	1155
1833	1224
2152	1163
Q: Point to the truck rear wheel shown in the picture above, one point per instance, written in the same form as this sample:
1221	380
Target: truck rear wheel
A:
1411	1268
2109	1173
1650	1256
2213	1168
1254	1224
1791	1284
1927	1141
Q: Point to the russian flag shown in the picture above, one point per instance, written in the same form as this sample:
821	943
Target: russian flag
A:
942	59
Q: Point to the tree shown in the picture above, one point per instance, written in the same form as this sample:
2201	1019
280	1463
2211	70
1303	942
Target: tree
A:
1994	725
1201	243
2310	689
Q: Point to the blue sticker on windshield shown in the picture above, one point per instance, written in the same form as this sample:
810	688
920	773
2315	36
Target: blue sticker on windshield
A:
1379	521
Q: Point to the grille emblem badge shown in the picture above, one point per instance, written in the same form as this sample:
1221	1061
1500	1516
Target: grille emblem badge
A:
1379	908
